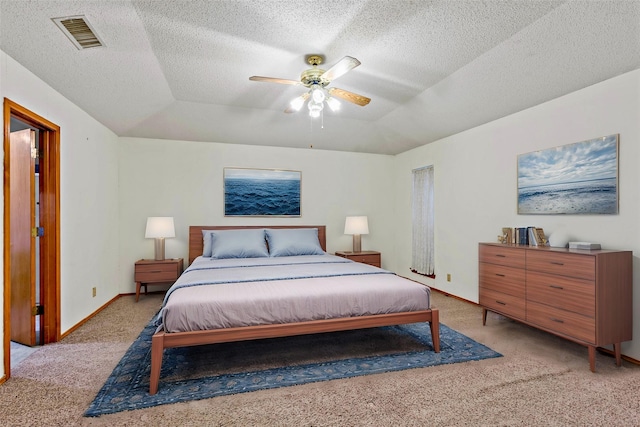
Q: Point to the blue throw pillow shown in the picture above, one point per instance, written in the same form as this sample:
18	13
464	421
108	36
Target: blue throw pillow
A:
206	243
246	243
293	241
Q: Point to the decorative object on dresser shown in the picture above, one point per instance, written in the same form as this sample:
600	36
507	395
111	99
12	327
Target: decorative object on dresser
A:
506	236
540	238
152	272
584	245
159	228
356	225
559	239
365	257
579	178
583	296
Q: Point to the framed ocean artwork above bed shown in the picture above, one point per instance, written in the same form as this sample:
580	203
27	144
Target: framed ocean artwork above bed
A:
262	192
579	178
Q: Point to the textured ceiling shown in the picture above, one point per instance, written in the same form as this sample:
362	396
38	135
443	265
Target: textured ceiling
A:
180	69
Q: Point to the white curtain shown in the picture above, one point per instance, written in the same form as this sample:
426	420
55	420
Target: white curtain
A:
422	219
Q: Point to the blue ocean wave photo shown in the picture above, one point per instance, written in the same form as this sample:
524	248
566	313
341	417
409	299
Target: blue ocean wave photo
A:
261	197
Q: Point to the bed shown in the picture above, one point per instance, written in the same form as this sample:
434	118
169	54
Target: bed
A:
236	289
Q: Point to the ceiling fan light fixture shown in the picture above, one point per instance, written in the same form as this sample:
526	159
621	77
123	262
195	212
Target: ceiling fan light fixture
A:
316	82
315	108
297	103
317	93
333	104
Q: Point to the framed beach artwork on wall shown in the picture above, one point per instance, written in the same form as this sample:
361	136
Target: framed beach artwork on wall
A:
261	192
579	178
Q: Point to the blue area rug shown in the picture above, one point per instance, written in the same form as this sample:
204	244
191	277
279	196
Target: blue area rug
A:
201	372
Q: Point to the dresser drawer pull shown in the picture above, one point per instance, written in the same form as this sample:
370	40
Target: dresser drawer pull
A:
501	256
498	274
557	263
155	271
556	287
501	303
557	320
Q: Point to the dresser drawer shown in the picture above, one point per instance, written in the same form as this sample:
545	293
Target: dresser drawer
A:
502	303
502	255
156	273
562	321
502	279
564	264
562	292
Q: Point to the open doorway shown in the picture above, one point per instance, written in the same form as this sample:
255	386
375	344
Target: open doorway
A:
31	229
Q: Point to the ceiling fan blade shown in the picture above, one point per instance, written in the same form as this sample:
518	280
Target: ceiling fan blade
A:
274	80
342	67
299	101
349	96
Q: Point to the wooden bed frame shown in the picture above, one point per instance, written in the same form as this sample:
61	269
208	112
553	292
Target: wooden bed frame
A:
162	339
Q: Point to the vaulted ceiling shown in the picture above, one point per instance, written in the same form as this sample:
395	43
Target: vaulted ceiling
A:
180	69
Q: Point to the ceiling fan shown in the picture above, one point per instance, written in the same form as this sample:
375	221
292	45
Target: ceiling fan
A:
317	81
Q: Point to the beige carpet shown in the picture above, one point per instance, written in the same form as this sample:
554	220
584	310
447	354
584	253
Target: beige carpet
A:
541	380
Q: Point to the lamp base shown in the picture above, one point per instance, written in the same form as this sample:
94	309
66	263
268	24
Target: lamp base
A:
357	247
159	248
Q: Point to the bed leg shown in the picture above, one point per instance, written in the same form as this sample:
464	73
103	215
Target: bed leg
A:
435	329
157	350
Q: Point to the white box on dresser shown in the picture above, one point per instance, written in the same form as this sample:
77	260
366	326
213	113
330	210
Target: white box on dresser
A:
581	295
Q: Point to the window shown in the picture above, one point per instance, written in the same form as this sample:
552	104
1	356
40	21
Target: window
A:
422	220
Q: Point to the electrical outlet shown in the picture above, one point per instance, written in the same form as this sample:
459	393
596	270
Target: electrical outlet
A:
94	291
448	278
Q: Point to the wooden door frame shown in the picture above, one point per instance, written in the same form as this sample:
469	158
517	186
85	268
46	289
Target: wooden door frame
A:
49	145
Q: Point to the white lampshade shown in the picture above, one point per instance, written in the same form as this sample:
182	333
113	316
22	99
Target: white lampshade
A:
160	226
356	225
333	103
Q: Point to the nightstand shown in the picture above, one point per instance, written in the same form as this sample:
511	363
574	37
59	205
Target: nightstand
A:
365	257
152	272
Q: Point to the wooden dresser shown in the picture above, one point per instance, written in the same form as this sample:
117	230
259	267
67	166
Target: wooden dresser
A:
583	296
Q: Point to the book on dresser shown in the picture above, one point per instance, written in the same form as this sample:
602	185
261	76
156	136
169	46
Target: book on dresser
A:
582	296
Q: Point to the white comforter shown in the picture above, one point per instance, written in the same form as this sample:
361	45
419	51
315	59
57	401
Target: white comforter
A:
214	294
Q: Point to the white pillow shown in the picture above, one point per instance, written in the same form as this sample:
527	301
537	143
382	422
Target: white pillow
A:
245	243
293	241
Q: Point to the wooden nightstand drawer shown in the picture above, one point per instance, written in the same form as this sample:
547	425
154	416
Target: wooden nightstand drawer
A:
155	273
365	257
151	272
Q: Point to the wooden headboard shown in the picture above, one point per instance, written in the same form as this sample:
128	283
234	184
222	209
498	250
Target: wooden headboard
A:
195	235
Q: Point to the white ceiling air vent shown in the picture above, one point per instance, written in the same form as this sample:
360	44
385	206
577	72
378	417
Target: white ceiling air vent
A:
79	31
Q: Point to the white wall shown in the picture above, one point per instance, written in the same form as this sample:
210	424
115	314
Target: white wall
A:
89	194
184	180
475	184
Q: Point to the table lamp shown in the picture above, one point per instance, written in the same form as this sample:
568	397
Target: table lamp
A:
159	227
356	225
